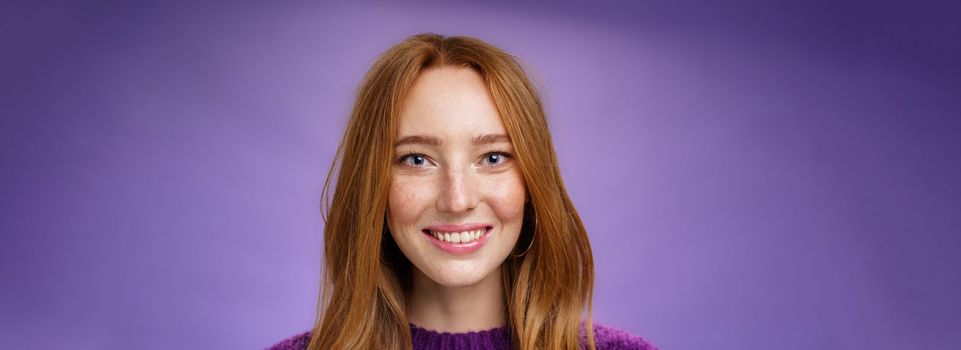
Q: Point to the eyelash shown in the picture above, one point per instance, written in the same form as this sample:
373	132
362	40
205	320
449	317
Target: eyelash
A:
403	159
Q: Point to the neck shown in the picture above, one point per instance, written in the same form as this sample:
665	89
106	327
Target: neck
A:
456	309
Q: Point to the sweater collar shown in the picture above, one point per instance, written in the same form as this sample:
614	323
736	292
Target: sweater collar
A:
494	338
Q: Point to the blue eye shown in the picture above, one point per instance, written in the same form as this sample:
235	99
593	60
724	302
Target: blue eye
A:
414	159
495	158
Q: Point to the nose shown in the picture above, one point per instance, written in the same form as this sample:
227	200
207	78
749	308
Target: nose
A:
459	193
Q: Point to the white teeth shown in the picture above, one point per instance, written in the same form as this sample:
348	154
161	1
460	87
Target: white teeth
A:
459	237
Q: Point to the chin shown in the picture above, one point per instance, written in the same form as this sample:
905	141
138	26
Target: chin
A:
460	273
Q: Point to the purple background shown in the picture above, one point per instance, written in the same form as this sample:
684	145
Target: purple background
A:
753	175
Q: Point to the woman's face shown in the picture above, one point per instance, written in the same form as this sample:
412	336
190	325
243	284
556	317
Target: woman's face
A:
457	195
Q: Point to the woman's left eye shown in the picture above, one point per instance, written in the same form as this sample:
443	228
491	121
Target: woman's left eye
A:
495	158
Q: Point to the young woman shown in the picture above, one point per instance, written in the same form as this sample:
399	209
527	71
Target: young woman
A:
449	226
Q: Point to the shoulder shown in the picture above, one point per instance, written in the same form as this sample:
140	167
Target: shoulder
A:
296	342
612	338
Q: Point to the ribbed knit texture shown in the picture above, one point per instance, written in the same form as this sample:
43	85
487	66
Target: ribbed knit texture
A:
605	338
496	338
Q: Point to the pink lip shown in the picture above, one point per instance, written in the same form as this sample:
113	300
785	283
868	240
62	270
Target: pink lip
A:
457	228
459	248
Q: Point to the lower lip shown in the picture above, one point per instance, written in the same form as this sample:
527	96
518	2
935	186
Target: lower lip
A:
460	248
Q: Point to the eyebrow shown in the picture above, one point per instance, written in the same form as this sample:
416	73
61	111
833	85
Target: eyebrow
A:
434	141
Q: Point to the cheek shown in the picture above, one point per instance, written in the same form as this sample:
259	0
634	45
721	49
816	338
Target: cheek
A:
508	198
406	200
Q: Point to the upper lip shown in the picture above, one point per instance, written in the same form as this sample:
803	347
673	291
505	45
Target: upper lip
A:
457	227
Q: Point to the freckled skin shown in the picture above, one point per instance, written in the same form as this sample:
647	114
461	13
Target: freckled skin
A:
456	182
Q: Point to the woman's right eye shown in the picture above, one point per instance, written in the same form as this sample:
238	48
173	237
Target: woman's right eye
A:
414	160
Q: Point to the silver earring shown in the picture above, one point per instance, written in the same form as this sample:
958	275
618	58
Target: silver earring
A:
533	235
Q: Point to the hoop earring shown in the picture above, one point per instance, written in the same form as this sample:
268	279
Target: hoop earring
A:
533	235
386	239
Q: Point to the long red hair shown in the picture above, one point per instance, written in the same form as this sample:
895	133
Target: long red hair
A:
366	277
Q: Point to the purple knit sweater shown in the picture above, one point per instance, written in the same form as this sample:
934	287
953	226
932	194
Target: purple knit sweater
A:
605	337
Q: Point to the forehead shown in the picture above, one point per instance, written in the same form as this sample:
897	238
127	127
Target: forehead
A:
449	101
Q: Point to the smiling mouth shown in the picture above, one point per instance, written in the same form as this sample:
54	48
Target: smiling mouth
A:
461	237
